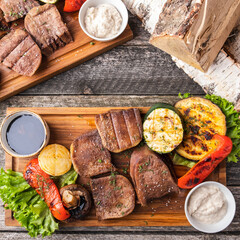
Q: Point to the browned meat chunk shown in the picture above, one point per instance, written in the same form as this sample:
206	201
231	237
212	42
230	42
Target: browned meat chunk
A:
120	129
151	176
114	196
15	9
89	157
20	53
45	25
3	24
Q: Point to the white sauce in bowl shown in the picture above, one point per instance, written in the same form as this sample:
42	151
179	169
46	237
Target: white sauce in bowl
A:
103	21
207	204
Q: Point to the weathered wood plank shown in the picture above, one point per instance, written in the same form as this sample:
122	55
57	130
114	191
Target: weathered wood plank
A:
124	70
132	236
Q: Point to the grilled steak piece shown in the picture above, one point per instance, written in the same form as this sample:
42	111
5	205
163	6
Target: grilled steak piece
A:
15	9
20	53
151	176
114	196
3	24
89	157
120	129
45	25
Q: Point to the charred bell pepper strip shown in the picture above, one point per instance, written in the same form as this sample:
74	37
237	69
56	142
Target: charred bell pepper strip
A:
204	167
46	188
73	5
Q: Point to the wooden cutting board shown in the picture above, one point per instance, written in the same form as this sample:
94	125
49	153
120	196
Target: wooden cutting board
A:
65	125
82	49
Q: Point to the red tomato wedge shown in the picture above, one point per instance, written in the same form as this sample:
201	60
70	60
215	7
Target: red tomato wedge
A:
46	188
73	5
204	167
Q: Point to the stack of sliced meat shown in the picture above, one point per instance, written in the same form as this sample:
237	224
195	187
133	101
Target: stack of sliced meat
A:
47	28
15	9
114	195
20	53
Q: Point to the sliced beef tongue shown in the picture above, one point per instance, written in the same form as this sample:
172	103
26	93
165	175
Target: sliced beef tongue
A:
47	28
89	157
20	53
120	129
151	176
114	196
3	24
15	9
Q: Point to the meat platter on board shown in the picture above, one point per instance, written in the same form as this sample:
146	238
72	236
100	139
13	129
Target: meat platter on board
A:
65	125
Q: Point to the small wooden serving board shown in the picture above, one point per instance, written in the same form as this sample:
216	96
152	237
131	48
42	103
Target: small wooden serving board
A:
80	50
65	125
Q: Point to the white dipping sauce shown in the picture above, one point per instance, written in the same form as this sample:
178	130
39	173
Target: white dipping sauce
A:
207	204
103	21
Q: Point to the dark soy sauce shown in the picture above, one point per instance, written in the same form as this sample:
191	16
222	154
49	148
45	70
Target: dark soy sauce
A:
25	134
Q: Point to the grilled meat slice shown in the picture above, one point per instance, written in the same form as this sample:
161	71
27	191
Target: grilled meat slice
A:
15	9
46	26
120	129
3	24
20	53
151	176
114	196
89	157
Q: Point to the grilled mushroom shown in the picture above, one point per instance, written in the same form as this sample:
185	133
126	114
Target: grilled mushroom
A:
77	200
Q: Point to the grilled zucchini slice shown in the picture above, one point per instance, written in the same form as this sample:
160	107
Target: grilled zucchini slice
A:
162	128
202	119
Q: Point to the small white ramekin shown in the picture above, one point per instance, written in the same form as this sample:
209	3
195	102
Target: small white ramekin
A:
4	126
118	4
222	224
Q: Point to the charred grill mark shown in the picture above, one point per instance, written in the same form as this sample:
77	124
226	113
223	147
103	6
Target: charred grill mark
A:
212	130
187	111
194	140
207	135
208	159
189	183
194	129
196	180
204	147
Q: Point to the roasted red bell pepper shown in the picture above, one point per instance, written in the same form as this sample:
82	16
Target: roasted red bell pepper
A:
73	5
46	188
204	167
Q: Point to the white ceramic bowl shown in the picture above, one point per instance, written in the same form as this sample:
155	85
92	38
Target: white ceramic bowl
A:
118	4
4	126
222	224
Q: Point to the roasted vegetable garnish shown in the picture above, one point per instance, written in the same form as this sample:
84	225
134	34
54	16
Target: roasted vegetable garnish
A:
28	207
55	160
202	119
200	171
45	187
162	128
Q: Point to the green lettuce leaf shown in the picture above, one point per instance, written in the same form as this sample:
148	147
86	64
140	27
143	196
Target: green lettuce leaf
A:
68	178
185	95
233	124
181	161
28	207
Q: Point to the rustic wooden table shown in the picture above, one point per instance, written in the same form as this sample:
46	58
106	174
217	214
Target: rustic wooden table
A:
135	74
